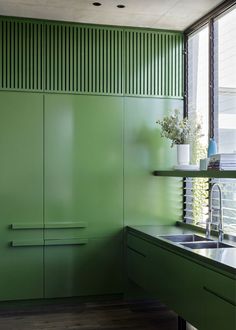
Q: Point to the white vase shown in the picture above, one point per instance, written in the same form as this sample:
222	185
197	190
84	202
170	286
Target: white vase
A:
183	154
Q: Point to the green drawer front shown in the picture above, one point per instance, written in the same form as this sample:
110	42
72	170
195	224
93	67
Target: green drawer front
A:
221	286
139	245
136	267
174	280
219	313
143	267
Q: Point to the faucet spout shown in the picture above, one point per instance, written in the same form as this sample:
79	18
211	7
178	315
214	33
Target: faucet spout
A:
220	222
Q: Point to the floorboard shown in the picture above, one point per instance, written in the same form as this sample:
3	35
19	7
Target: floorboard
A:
108	314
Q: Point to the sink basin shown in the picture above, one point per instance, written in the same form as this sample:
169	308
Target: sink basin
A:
207	245
185	238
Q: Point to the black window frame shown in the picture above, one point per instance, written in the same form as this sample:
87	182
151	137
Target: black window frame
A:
209	20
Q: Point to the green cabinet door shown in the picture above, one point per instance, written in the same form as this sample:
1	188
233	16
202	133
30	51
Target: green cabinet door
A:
174	280
83	165
77	267
21	196
83	194
219	301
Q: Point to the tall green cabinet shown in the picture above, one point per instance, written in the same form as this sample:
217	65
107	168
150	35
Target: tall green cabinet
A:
83	195
61	196
21	196
78	142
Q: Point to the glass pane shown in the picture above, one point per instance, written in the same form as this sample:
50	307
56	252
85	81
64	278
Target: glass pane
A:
225	82
198	87
225	105
196	194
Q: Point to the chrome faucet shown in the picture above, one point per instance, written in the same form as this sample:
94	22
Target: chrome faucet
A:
209	221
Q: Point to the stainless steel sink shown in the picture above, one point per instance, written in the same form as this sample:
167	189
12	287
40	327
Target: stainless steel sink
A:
185	238
207	245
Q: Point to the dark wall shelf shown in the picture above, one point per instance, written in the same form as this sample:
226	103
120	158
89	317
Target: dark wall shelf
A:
197	174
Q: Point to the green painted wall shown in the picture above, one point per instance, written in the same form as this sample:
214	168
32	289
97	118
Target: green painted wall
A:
84	101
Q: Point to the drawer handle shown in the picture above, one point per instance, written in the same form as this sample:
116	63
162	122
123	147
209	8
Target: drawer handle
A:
64	225
27	243
27	226
136	251
231	302
69	241
53	225
49	242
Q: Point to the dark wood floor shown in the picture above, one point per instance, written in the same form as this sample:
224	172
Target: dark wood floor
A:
71	315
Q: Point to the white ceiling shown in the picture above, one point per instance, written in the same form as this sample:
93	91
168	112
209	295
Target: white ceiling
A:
160	14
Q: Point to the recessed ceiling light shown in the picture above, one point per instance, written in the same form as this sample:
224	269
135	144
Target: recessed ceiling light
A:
120	6
97	4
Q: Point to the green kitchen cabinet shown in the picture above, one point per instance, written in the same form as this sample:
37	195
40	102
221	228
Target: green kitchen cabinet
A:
21	196
83	195
83	165
79	267
219	301
168	276
203	297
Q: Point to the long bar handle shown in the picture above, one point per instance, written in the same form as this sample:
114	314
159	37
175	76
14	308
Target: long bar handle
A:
50	225
229	301
68	241
49	242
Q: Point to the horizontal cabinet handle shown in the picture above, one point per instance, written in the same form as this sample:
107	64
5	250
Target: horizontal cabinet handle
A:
27	226
25	243
136	251
64	225
49	242
229	301
69	241
52	225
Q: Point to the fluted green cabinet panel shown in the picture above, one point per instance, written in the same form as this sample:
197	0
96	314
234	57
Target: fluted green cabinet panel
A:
21	54
147	200
83	59
74	58
92	267
83	164
21	196
153	63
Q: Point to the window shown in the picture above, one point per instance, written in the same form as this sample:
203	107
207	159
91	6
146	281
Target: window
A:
198	99
221	119
225	82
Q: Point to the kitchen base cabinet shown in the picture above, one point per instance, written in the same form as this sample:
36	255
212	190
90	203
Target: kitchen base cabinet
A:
85	267
219	301
220	313
203	297
167	276
21	196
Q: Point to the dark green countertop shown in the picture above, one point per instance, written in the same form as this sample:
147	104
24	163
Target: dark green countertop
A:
221	259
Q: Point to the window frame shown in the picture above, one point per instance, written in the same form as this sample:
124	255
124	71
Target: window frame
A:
209	20
205	20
